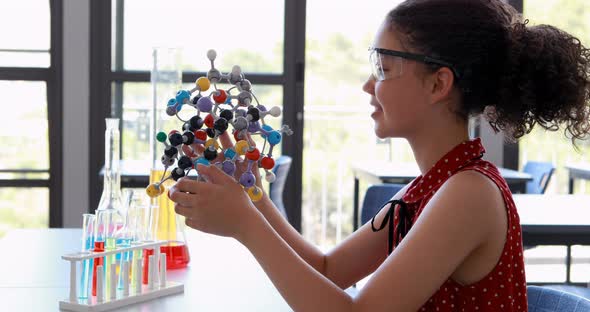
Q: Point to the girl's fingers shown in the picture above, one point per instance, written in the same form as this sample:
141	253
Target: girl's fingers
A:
199	148
180	197
183	210
186	185
250	140
219	159
225	140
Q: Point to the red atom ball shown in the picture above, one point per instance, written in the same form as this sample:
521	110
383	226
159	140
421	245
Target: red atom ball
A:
201	135
221	97
267	163
253	155
209	121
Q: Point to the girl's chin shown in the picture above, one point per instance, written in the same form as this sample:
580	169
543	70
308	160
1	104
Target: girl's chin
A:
384	132
380	132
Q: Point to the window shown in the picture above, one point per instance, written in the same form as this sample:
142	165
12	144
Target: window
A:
572	16
545	264
30	86
229	27
338	126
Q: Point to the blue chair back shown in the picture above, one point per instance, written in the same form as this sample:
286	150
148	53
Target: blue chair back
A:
583	292
543	299
281	171
541	172
375	197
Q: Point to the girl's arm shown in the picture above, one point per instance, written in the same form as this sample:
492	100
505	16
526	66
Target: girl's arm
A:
456	221
355	258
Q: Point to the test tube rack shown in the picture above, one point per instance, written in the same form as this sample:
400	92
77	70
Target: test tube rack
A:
156	287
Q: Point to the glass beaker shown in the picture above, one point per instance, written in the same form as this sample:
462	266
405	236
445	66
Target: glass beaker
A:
166	80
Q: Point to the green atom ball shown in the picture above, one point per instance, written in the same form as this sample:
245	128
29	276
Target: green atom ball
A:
161	137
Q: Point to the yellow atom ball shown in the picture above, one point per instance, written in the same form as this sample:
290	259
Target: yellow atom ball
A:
255	193
153	190
203	83
241	147
212	142
162	189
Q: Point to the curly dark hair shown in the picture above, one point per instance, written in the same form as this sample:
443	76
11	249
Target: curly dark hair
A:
517	75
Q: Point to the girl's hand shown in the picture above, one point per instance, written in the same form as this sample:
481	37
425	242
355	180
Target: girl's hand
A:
219	206
241	164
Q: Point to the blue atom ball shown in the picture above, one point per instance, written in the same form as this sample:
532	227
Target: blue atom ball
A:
229	153
182	95
274	137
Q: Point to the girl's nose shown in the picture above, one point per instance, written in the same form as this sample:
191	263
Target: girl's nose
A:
369	85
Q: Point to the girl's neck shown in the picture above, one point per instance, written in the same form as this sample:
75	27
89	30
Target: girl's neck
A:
432	146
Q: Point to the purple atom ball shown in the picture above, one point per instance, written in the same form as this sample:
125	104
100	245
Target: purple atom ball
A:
247	179
204	104
229	167
254	127
171	110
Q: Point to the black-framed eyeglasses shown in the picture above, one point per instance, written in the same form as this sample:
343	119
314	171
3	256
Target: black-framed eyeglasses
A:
386	64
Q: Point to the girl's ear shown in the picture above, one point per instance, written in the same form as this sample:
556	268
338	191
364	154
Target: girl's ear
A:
441	85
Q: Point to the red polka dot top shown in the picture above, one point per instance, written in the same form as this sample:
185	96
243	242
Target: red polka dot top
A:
504	288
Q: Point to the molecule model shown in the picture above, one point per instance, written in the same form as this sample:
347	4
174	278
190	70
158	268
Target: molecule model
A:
198	141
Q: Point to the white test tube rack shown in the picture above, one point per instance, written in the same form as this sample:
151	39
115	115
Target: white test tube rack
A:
157	286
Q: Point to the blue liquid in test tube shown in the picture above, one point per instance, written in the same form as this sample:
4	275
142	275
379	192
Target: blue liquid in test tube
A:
124	256
87	245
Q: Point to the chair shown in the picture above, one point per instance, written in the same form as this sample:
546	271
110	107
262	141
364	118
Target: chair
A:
375	197
541	172
275	190
543	299
576	290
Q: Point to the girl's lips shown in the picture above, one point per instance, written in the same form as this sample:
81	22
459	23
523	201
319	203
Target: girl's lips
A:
378	110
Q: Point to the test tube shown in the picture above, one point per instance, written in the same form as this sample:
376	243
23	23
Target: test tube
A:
154	210
88	220
124	235
140	208
103	238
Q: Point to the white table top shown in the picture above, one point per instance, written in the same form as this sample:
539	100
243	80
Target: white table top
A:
551	209
387	170
222	275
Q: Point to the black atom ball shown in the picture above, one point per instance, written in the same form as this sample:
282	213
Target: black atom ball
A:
196	122
210	154
220	125
255	113
184	162
175	139
227	114
188	138
210	132
171	151
187	127
177	173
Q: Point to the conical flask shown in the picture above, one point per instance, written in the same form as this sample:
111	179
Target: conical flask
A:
166	80
111	192
109	216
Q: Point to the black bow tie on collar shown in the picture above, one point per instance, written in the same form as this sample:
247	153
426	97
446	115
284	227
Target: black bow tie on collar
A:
403	226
